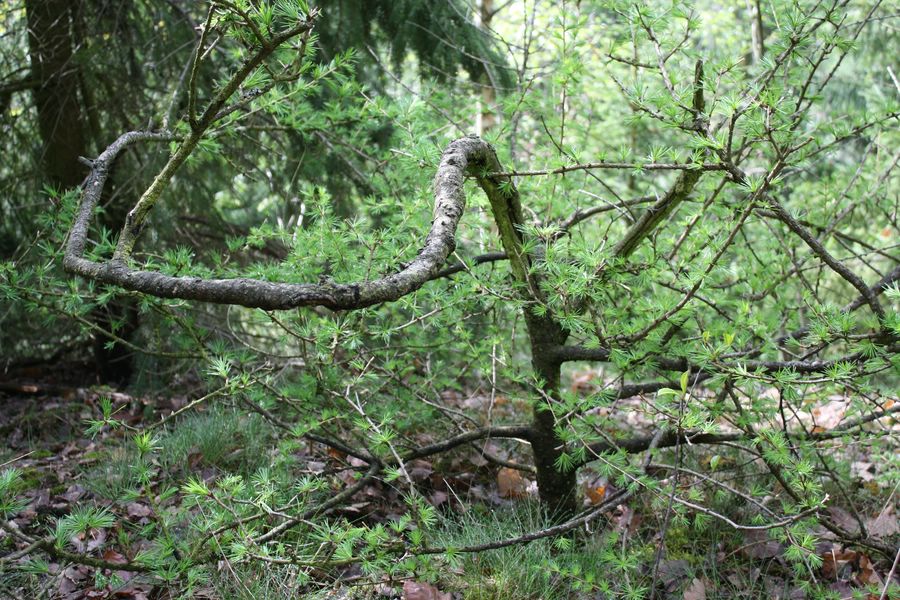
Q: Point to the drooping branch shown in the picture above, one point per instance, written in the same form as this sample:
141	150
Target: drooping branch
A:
463	157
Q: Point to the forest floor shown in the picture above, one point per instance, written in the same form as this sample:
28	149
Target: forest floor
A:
42	425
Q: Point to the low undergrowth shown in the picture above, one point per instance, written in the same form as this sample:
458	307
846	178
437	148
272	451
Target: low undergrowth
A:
168	502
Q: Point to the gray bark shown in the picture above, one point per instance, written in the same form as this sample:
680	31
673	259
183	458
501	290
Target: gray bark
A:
457	162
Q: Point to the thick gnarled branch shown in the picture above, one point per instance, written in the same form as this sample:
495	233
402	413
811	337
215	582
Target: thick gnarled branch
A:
463	157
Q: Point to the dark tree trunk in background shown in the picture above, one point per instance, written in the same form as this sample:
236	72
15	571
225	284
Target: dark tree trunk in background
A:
56	93
62	129
115	364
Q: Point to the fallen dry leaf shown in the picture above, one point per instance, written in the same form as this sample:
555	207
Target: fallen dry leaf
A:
419	470
866	574
624	519
336	454
672	574
583	381
696	590
829	415
596	490
315	466
138	510
477	459
510	483
114	557
837	565
596	494
88	541
758	544
415	590
72	580
862	470
843	518
73	493
848	565
885	524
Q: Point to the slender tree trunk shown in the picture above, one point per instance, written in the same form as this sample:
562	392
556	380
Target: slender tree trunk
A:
556	487
757	33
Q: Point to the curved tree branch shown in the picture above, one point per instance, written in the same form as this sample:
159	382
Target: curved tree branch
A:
678	193
463	157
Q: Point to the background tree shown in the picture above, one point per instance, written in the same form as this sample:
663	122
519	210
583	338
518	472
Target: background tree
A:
87	61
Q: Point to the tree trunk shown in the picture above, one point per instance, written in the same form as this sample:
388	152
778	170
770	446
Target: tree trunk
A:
56	93
62	129
556	487
757	33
